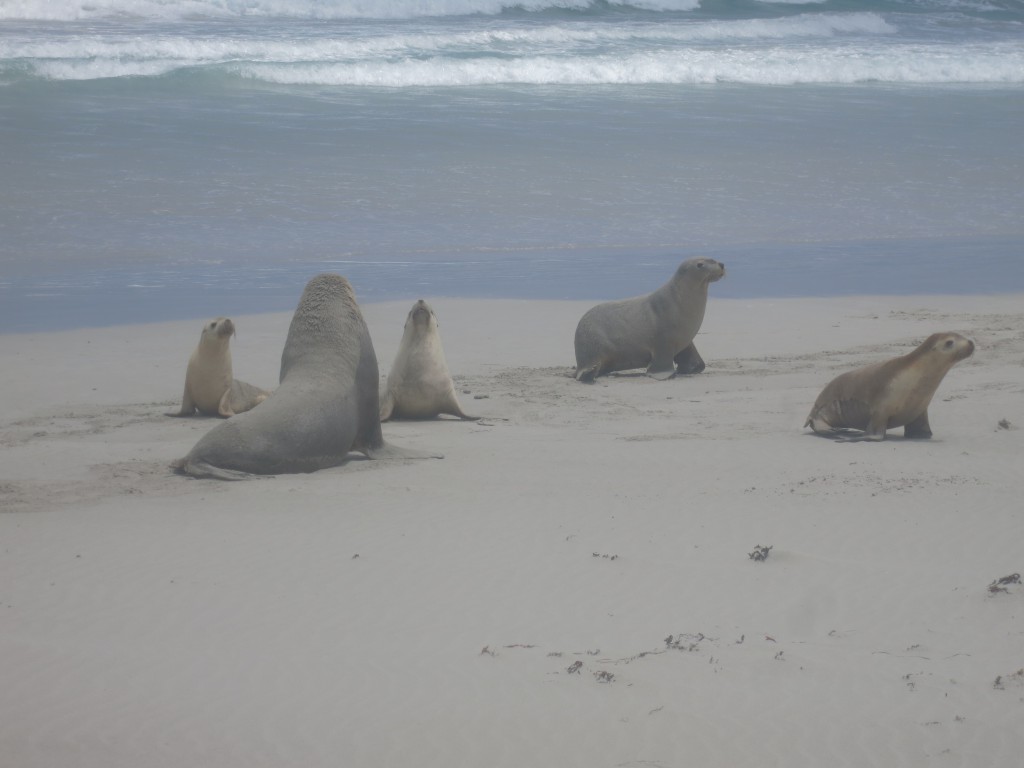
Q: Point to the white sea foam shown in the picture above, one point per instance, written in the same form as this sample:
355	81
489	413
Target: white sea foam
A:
593	47
71	10
556	38
803	49
907	64
169	10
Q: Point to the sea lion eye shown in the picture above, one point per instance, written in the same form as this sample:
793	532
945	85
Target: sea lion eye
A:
949	343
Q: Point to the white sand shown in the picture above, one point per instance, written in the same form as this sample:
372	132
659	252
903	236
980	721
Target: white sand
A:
428	613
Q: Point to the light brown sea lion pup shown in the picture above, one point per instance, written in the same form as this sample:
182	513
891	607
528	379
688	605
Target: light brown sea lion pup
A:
210	387
891	394
419	385
653	331
326	406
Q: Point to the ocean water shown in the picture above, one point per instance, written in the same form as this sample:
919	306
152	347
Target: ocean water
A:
190	158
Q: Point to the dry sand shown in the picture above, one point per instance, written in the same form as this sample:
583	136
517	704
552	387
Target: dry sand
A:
570	586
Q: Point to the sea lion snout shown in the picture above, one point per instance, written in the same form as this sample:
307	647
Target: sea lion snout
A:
960	347
227	328
421	313
715	269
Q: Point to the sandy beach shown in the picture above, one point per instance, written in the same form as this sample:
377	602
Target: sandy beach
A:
571	585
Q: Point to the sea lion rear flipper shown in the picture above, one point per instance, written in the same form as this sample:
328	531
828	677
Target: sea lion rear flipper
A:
201	468
851	436
873	433
241	397
845	421
453	408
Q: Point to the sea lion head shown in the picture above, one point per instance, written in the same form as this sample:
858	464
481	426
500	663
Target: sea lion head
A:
421	318
219	329
948	347
701	269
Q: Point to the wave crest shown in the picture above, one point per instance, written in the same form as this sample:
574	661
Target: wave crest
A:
168	10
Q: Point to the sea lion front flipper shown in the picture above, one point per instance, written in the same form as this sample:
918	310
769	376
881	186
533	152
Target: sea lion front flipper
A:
188	405
918	429
689	361
387	451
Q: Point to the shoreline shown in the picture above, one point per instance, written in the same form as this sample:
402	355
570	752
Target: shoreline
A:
197	315
104	297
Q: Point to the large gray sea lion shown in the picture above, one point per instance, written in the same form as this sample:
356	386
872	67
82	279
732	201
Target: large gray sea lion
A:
326	406
891	394
419	385
653	331
210	387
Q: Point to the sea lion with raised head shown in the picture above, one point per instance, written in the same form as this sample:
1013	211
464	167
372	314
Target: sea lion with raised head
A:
210	387
327	404
887	395
655	331
419	385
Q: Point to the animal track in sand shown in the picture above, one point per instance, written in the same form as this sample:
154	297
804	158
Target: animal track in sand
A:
835	485
103	481
85	421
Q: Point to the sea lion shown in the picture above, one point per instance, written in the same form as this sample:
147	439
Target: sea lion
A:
419	385
655	330
890	394
326	406
209	385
